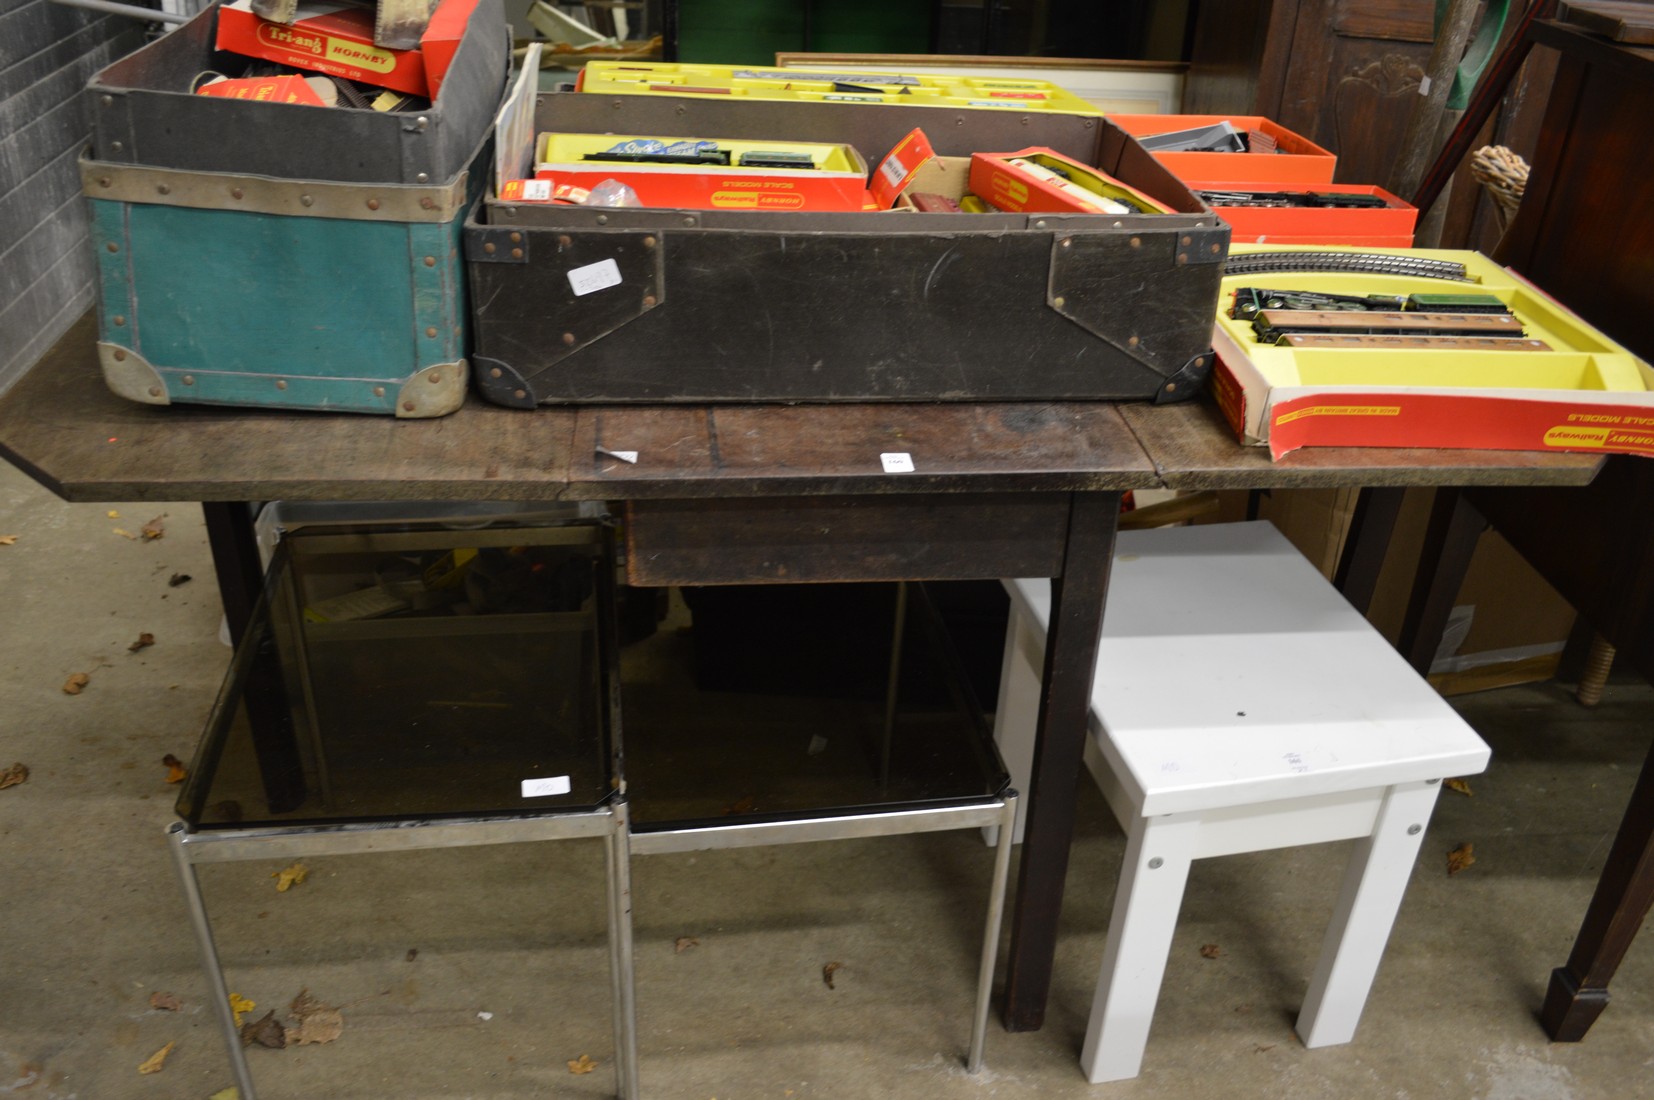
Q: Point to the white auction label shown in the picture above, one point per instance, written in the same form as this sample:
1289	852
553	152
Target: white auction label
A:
540	788
594	277
897	462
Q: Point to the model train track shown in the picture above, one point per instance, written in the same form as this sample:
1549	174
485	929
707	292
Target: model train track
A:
1375	263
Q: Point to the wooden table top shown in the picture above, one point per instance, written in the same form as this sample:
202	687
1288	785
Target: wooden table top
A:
62	425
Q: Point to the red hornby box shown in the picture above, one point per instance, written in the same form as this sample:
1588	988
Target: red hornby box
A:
325	38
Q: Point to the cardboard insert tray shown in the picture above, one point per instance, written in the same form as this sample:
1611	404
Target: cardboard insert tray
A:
1568	388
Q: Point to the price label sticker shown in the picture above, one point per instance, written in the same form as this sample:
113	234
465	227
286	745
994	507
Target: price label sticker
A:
594	277
550	785
897	462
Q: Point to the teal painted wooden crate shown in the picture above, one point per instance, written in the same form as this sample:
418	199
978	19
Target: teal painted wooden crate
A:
267	254
304	294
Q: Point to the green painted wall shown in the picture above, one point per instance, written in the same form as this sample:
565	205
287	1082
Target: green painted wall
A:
751	32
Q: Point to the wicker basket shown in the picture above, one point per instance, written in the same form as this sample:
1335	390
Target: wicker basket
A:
1504	174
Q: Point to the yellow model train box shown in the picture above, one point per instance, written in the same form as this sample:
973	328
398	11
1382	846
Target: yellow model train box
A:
705	174
1529	376
826	86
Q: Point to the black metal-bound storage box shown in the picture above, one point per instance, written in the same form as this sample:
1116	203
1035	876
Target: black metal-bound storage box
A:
144	114
731	306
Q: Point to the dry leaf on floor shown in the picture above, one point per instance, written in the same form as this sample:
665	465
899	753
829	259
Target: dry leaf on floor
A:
125	534
165	1002
8	540
266	1031
176	772
156	527
313	1021
239	1006
1210	950
684	943
289	877
1460	858
1458	785
112	514
156	1061
413	953
829	970
144	641
13	775
177	579
231	1093
76	684
582	1064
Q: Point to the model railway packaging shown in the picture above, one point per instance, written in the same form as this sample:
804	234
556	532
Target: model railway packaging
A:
626	301
1348	347
1237	148
1324	213
259	251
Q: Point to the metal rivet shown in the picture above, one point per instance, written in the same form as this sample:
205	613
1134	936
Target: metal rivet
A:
682	109
431	332
516	238
649	301
1156	863
1025	120
112	246
1040	224
422	122
1171	387
1216	248
119	320
519	394
1414	830
236	192
407	406
516	253
689	222
379	391
306	200
189	379
1133	341
1182	257
423	177
120	356
427	204
496	373
155	391
648	242
615	104
373	204
107	100
1119	225
1137	242
115	146
103	181
430	261
564	240
1089	123
1187	241
489	248
1200	361
281	383
163	189
1059	301
1068	242
568	337
603	219
434	376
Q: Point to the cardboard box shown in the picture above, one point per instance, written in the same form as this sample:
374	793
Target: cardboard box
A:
1296	160
265	89
1041	181
1390	226
325	38
1582	393
440	42
837	182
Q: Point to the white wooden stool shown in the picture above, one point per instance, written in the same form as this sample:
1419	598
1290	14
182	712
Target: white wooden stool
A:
1240	704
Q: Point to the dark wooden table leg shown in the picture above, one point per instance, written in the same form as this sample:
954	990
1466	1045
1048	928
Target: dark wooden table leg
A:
1579	991
1371	526
240	572
1449	542
1070	657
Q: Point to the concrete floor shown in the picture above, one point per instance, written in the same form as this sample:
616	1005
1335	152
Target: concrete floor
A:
481	972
